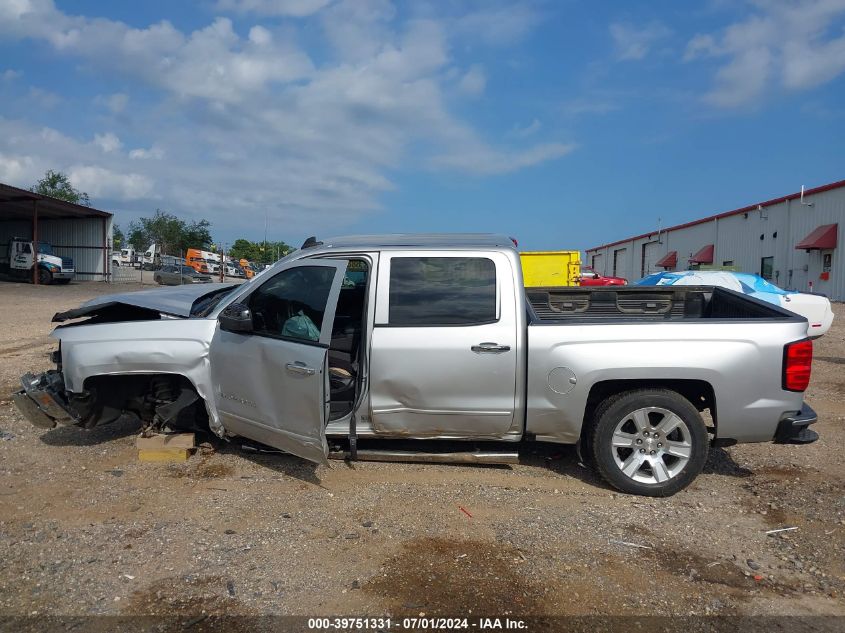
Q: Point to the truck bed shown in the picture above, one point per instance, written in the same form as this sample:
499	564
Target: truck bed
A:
641	303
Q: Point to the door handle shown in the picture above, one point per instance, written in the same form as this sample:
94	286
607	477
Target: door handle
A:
490	348
300	368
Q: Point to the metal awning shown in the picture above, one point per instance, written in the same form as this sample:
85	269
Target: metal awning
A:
17	204
703	256
823	237
669	260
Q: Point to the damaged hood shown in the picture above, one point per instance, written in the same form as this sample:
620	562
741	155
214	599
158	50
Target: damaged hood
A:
175	301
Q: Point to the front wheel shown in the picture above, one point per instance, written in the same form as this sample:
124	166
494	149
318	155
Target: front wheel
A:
45	277
649	442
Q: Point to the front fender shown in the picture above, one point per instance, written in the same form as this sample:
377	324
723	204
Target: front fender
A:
167	346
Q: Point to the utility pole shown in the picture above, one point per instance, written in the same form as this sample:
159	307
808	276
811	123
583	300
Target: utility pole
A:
266	222
222	262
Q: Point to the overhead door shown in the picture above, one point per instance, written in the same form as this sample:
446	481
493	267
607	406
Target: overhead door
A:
597	263
620	262
649	258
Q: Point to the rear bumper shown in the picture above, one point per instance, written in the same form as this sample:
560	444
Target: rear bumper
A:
41	400
793	429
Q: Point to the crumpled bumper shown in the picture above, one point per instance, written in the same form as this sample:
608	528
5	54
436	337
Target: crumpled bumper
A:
41	401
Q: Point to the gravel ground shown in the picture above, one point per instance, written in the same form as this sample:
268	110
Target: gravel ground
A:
87	529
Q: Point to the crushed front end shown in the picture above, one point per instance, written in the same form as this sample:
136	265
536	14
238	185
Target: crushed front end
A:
42	400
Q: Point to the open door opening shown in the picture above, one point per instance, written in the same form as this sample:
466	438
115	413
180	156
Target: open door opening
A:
347	340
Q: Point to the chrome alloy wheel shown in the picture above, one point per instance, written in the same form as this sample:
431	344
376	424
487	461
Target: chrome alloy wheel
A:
651	445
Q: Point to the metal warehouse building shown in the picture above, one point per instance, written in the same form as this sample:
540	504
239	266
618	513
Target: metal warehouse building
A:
79	232
791	241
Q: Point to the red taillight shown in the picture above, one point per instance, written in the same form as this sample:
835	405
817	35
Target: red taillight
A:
797	363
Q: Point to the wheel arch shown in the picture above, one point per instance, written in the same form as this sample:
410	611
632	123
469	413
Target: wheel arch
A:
124	387
699	393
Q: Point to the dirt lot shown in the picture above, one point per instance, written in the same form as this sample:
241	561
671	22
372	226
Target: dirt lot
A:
87	529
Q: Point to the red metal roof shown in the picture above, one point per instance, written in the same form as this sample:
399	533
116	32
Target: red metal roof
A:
703	256
670	260
823	236
750	207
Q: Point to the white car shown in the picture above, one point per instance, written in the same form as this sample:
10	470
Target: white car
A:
816	308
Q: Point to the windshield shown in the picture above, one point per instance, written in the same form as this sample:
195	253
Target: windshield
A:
205	305
45	249
187	270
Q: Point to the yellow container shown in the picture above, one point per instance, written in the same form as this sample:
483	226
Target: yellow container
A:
550	268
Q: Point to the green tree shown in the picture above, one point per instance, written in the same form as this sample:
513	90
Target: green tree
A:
243	249
173	234
117	237
57	185
258	251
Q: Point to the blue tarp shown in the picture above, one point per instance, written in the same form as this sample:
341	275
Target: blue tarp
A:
753	285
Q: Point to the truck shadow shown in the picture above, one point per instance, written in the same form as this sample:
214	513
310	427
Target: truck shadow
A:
266	457
562	459
76	436
720	462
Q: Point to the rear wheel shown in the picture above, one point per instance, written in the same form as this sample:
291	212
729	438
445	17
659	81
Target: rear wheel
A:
157	279
650	442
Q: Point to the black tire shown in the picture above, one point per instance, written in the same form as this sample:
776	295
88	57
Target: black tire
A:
616	416
157	279
45	277
115	263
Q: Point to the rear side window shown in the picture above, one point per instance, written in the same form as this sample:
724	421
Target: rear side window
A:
427	291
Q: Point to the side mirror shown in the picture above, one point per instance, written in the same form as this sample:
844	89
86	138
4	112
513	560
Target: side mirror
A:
236	317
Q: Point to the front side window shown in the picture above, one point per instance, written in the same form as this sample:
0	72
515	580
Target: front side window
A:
431	291
292	304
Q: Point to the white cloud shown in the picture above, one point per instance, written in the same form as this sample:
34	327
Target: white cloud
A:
239	122
527	130
43	98
115	102
702	45
497	24
292	8
105	183
212	63
634	42
799	43
17	169
473	82
10	74
483	161
154	153
107	142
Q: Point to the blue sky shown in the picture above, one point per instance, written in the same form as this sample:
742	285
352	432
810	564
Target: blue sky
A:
565	124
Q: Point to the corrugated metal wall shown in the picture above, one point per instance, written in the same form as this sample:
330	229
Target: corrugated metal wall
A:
746	238
81	239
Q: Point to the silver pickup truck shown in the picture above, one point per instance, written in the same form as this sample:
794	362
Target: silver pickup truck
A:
434	337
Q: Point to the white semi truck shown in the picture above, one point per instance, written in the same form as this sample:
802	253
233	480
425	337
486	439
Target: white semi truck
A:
18	259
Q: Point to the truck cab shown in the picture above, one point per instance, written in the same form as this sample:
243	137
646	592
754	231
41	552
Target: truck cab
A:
20	258
124	257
